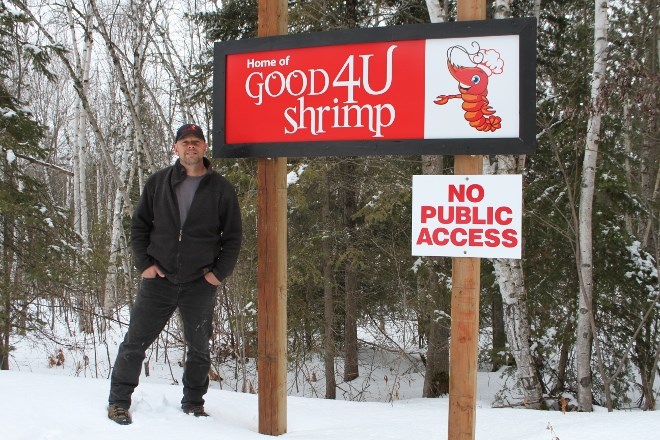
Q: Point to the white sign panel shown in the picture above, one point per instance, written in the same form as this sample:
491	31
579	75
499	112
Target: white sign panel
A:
467	216
486	66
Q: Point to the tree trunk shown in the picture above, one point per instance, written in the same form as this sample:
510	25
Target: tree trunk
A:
436	377
560	382
85	299
7	223
110	297
78	86
6	329
351	370
83	64
5	297
585	233
328	297
131	99
516	318
510	279
499	331
438	10
647	358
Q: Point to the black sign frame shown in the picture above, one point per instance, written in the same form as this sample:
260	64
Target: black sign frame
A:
524	144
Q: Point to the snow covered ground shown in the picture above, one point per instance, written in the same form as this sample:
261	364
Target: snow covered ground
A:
36	406
68	402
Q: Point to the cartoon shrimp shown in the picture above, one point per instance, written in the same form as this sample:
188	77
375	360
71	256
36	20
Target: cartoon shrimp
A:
472	71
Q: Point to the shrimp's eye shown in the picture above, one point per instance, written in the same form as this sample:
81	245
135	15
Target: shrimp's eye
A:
476	79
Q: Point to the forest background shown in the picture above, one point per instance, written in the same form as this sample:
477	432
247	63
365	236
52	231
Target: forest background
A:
91	91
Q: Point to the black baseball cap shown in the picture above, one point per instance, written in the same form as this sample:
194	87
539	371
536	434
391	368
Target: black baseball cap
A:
187	129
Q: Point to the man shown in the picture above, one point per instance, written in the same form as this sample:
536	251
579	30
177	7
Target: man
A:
186	235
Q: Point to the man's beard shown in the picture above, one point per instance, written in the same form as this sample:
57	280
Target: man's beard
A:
191	160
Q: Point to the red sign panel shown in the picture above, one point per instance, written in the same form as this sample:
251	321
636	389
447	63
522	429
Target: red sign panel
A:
365	92
356	92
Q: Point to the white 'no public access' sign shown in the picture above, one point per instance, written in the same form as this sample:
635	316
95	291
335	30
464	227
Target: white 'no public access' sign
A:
467	216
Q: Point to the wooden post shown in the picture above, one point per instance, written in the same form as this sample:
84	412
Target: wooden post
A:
271	282
271	271
466	283
463	349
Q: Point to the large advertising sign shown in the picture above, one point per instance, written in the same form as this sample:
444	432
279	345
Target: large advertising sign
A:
453	88
467	216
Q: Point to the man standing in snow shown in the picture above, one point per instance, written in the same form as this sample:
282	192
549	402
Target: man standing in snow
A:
186	235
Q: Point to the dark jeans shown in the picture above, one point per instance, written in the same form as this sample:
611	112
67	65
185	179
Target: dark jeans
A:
156	301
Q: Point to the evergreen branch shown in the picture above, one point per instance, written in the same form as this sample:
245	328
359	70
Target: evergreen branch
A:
43	163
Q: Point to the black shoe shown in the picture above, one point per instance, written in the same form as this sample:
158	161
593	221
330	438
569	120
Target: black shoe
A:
197	411
119	415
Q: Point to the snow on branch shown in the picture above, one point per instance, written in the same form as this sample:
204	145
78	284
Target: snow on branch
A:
40	162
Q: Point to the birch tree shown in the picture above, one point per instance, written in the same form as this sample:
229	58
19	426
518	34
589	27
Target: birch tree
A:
585	317
78	86
511	281
137	40
83	64
131	95
110	299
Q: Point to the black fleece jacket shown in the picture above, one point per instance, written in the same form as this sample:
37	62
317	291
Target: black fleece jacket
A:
210	238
